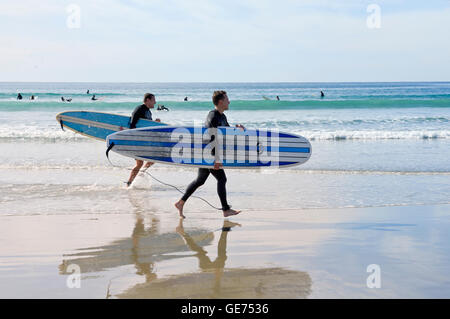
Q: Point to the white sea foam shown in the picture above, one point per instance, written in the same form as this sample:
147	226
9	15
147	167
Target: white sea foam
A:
373	135
36	133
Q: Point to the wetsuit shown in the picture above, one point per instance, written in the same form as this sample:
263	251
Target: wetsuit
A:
140	112
214	119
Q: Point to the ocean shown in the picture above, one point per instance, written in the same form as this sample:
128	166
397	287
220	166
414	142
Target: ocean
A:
375	193
374	144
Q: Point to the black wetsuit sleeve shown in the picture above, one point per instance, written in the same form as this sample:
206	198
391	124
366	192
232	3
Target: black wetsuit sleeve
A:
212	120
226	121
138	113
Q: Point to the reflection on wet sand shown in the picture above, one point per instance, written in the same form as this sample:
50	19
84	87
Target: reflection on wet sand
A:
214	281
148	245
145	247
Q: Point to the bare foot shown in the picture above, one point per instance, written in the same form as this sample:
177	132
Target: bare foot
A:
179	205
230	212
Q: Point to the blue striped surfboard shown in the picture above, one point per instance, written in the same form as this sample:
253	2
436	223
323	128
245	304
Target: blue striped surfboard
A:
193	146
98	125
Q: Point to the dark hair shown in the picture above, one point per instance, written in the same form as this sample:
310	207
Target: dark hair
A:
218	96
148	96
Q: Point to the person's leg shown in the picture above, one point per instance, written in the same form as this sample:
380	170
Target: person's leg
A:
219	174
148	164
203	174
135	171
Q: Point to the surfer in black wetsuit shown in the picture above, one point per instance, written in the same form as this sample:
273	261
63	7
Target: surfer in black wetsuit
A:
322	94
162	108
19	96
215	118
93	98
142	112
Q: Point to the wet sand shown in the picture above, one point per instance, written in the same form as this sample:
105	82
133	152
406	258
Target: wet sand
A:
309	253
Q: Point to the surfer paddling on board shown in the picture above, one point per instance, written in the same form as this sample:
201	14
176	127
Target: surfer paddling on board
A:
142	112
214	119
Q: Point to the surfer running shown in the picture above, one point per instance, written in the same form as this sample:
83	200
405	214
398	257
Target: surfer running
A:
214	119
142	111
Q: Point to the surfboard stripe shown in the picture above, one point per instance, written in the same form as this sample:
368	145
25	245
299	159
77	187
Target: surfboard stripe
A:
75	120
190	145
205	163
290	143
237	132
168	152
98	124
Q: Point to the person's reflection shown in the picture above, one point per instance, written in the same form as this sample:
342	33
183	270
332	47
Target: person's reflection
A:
205	262
139	231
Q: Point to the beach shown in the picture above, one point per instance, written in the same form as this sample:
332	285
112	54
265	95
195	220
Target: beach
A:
372	200
141	253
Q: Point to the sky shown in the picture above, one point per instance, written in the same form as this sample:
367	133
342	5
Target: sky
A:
224	41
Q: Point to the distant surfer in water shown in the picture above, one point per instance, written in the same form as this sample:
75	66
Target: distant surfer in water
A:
93	98
19	96
87	92
32	97
278	98
162	108
186	99
214	119
321	94
142	112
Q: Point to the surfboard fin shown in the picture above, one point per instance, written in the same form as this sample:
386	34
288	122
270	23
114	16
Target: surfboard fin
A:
108	149
61	123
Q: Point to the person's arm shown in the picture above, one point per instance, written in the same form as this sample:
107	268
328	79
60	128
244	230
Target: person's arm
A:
212	122
217	159
135	117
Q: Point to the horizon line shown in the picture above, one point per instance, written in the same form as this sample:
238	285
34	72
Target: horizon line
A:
203	82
